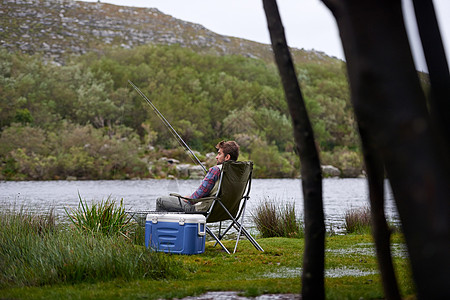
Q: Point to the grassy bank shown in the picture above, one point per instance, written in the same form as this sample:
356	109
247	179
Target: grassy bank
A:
35	251
277	270
100	255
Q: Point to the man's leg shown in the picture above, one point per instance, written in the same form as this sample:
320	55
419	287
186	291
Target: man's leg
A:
170	203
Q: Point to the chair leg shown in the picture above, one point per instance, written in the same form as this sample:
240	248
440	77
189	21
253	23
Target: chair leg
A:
220	236
238	227
252	240
217	239
226	231
241	230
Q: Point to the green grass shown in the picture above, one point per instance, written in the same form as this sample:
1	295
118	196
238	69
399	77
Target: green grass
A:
34	251
42	260
277	270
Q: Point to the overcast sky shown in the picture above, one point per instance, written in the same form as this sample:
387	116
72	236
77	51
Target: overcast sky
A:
308	23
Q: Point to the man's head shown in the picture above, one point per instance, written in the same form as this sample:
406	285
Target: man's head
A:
227	151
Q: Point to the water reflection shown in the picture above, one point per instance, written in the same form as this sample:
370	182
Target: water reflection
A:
360	249
286	272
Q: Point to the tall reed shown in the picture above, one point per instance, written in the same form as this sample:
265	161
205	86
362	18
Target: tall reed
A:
357	220
31	256
32	222
277	220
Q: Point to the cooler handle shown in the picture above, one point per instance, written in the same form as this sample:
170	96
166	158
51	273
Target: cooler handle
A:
200	232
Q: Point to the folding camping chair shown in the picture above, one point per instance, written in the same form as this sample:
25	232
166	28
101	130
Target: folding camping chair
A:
230	201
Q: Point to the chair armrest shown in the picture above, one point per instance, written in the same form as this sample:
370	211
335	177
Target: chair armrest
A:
192	201
179	196
205	198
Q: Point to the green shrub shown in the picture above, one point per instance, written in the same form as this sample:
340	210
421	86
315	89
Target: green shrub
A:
277	220
18	136
72	150
349	161
269	163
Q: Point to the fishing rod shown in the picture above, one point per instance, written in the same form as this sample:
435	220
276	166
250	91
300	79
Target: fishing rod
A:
171	129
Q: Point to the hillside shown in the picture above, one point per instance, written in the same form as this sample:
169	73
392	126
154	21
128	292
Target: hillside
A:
58	28
78	117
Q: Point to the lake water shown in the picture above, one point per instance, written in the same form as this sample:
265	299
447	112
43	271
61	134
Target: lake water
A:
339	195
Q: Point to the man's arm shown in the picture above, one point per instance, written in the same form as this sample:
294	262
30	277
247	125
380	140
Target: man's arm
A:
207	184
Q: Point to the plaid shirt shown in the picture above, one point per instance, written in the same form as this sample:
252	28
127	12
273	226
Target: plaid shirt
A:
207	184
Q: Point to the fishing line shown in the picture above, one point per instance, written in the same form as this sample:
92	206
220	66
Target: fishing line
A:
171	129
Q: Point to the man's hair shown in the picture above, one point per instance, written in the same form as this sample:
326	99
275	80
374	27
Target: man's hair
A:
230	147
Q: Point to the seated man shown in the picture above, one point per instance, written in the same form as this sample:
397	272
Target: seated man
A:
209	186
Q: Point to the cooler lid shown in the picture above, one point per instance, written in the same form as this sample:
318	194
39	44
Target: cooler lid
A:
174	217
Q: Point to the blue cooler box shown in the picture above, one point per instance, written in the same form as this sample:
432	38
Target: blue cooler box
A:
175	233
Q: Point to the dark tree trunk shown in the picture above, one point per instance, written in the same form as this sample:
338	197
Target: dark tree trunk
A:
391	108
313	259
436	62
380	229
437	67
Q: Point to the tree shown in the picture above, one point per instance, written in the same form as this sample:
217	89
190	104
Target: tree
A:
313	259
399	131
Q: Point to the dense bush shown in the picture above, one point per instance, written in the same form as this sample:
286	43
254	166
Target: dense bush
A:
73	150
84	120
349	162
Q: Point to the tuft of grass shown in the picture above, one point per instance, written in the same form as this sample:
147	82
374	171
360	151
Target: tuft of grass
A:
277	221
40	224
104	217
58	254
357	220
136	234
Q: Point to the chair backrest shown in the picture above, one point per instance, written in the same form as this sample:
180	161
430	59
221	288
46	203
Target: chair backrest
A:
235	180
